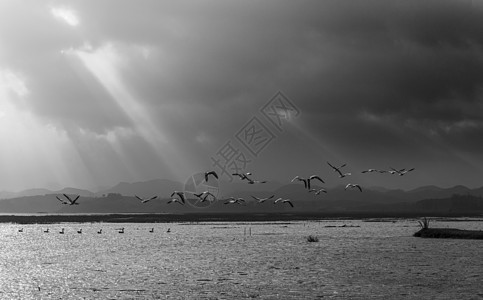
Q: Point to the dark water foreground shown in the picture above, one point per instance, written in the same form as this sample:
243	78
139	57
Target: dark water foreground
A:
449	233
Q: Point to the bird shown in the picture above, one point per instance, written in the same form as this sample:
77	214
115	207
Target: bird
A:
312	178
401	173
176	200
144	200
300	179
213	173
121	230
169	230
353	185
46	231
370	171
317	192
180	195
204	196
250	181
79	231
261	200
99	231
151	230
20	230
280	200
72	201
336	169
62	231
235	201
243	176
62	201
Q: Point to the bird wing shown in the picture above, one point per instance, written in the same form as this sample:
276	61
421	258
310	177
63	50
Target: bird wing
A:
139	198
289	202
359	187
76	198
67	196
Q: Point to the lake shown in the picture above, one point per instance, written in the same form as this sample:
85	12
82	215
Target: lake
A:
221	260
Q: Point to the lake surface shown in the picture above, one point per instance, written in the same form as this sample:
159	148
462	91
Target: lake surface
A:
221	260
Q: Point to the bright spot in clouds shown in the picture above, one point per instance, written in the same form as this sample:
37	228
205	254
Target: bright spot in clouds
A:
65	15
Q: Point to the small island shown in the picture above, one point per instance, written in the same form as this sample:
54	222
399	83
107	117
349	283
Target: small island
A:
446	233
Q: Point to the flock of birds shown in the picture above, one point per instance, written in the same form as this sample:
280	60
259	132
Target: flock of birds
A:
180	197
79	231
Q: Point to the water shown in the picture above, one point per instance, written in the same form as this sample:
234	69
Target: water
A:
378	260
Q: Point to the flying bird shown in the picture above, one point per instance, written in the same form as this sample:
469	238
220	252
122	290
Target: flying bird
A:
204	196
261	200
317	192
243	176
144	200
235	201
280	200
300	179
180	195
250	181
336	169
212	173
370	171
353	185
72	201
175	200
312	178
61	201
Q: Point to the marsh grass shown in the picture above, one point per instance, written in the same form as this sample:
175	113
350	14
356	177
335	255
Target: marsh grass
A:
312	239
424	223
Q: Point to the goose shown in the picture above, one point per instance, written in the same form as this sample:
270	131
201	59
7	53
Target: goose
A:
79	231
175	200
250	181
62	231
280	200
353	185
99	231
144	200
169	230
46	231
300	179
213	173
20	230
406	171
151	230
261	200
181	196
370	171
121	230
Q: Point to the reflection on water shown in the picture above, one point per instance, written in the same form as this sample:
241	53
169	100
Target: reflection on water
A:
222	261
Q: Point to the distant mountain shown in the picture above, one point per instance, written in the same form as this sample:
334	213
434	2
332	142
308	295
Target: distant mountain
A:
161	187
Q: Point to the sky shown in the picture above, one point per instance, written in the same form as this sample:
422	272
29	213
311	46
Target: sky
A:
93	93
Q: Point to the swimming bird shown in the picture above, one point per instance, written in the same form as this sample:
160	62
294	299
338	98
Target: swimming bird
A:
317	192
169	230
300	179
261	200
99	231
20	230
151	230
281	200
72	201
62	231
312	178
144	200
213	173
204	196
121	230
79	231
175	200
46	231
181	196
353	185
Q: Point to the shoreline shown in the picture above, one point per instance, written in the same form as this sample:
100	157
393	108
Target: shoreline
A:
449	233
203	217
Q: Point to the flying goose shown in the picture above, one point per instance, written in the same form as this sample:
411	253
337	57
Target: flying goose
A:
280	200
353	185
213	173
180	195
144	200
261	200
300	179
